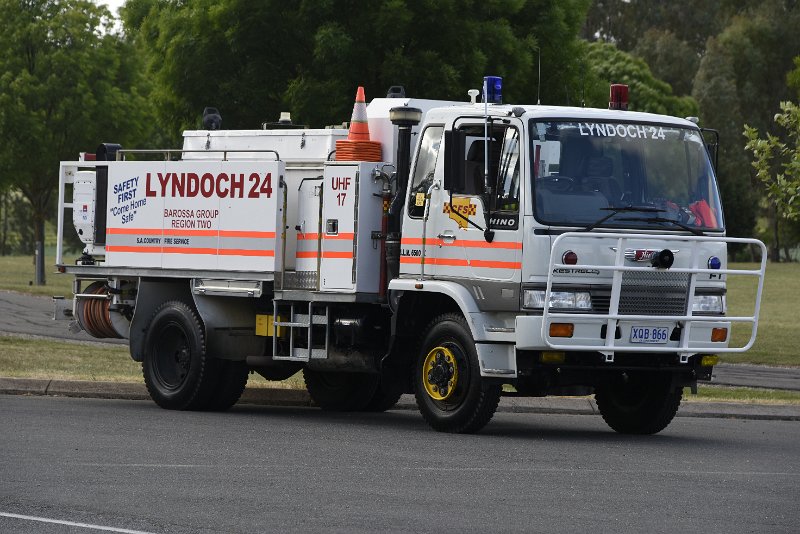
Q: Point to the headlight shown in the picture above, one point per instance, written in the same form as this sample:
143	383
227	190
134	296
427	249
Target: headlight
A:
559	300
708	304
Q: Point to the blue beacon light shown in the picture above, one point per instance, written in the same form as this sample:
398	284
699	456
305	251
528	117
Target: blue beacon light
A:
494	89
714	262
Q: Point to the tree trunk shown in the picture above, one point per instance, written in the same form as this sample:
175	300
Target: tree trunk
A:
775	246
4	227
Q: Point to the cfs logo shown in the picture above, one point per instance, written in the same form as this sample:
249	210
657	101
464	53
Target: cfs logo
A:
461	209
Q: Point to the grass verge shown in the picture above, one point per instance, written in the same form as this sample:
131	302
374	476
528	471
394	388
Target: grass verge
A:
61	360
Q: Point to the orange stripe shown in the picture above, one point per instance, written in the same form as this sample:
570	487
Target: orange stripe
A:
496	264
189	250
495	244
431	241
129	231
450	262
196	233
455	262
338	255
348	237
307	236
246	233
462	242
245	252
307	254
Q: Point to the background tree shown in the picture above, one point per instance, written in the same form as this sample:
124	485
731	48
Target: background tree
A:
255	59
742	79
65	83
647	93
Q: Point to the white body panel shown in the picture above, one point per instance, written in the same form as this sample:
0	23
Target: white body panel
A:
195	215
351	211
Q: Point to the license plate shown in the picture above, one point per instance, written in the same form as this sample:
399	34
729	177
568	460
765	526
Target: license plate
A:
649	334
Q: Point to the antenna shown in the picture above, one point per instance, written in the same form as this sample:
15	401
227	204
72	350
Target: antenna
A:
539	81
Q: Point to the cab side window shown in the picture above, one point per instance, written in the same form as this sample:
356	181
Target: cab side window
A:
504	166
424	169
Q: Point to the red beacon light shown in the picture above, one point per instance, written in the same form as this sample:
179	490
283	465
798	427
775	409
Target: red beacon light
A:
618	98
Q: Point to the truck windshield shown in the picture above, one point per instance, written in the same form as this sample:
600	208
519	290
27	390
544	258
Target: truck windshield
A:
581	169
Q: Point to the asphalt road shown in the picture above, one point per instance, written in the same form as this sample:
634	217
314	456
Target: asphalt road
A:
26	314
130	465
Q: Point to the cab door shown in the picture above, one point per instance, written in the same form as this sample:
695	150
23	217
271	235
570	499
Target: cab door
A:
418	246
461	209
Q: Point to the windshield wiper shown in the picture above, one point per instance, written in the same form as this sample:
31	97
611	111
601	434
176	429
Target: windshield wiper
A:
679	224
621	209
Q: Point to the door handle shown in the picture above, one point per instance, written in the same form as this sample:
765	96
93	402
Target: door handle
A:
447	237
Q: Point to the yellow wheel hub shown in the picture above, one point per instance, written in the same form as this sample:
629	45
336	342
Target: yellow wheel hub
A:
440	373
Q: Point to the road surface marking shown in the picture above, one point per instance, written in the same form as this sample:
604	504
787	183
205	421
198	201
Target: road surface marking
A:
72	523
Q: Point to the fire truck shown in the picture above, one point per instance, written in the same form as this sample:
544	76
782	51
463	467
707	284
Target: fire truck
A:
478	250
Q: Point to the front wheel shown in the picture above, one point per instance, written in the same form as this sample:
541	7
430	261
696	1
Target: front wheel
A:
450	393
644	404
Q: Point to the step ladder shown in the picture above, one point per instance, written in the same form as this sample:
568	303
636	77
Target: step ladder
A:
308	331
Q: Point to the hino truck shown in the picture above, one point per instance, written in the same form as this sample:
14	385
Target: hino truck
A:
487	250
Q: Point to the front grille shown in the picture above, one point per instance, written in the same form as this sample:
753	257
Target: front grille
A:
653	293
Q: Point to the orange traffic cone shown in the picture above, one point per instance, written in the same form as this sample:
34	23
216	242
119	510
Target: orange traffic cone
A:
357	146
359	129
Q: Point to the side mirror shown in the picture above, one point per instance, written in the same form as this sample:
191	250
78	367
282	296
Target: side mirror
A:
454	175
712	145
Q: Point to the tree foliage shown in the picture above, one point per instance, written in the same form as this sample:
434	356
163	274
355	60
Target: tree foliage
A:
742	79
66	81
777	162
254	59
647	93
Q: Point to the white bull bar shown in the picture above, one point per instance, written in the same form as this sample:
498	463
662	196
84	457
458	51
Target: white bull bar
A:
684	348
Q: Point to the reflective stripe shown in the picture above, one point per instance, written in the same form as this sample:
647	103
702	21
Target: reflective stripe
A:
311	254
454	262
433	241
188	250
344	236
328	254
195	233
245	252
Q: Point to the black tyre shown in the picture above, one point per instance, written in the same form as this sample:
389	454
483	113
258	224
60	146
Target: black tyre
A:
387	393
645	404
450	393
177	372
340	392
232	379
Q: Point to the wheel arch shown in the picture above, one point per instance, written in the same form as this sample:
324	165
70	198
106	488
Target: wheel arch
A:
152	293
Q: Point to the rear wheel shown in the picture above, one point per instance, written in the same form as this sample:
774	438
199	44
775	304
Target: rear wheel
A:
178	373
340	392
450	393
232	381
387	393
645	404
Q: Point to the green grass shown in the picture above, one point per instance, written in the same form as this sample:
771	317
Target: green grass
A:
778	327
737	394
17	274
62	360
